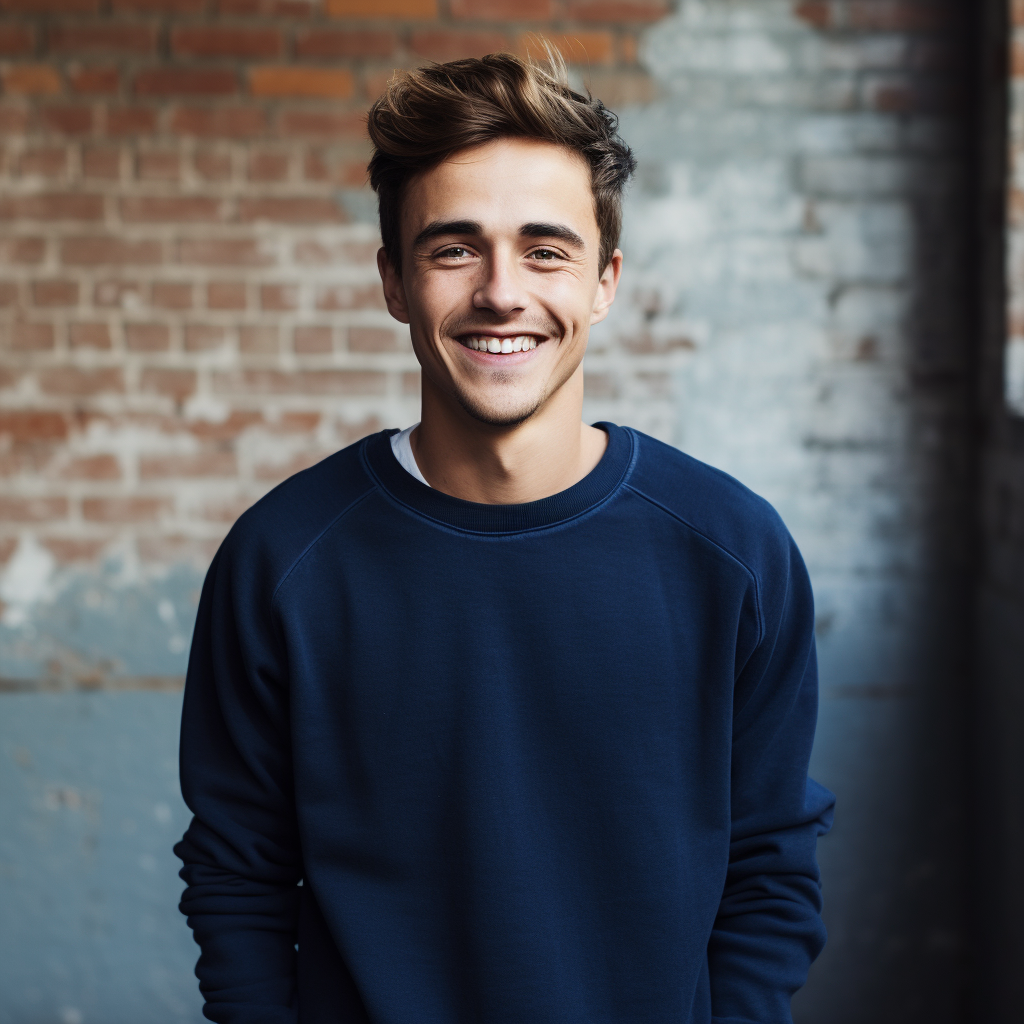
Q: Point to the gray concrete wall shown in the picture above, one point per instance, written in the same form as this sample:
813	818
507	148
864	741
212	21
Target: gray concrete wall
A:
793	311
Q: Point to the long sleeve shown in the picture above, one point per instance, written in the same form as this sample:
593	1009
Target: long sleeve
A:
769	929
241	851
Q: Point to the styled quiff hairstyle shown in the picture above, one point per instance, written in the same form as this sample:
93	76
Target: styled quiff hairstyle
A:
428	114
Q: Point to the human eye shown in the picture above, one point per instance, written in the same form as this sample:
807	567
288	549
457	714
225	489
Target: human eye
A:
453	252
545	255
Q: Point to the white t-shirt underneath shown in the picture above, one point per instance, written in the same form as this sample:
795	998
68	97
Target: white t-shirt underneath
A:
402	447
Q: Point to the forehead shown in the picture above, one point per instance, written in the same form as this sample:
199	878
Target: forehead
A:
502	185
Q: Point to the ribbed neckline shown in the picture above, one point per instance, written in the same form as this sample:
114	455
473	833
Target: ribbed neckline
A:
475	517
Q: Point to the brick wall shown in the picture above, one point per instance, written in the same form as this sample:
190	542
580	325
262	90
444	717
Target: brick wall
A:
794	309
190	306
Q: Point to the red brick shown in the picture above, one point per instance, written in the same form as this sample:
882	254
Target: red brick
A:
176	384
158	166
8	293
345	43
171	295
372	339
296	422
257	339
98	250
22	249
170	209
32	510
503	10
236	252
315	167
45	161
108	37
74	549
337	125
52	206
31	80
220	122
123	510
71	120
147	337
93	467
290	210
225	295
101	162
159	6
237	423
27	337
175	81
815	12
292	80
279	297
303	382
94	335
1017	12
30	425
16	40
49	6
74	381
347	296
447	44
55	293
13	118
202	464
210	41
621	11
113	294
267	8
266	165
202	337
131	120
312	339
381	8
212	166
95	81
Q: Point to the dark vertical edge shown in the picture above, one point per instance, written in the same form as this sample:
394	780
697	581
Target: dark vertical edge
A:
989	104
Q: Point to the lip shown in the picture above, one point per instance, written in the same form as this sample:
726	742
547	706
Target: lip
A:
500	358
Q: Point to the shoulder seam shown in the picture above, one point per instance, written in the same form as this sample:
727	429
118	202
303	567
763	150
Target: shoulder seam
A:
305	551
761	628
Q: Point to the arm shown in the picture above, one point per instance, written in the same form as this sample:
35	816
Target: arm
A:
241	851
769	929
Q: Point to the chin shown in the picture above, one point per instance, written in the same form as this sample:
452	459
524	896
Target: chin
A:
495	414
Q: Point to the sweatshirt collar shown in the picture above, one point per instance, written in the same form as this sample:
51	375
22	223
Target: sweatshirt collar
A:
474	517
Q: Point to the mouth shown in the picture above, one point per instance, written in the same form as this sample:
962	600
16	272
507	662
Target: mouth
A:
500	344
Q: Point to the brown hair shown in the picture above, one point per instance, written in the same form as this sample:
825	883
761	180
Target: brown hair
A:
428	114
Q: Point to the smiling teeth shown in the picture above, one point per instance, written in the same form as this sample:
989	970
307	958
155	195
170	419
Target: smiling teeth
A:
482	343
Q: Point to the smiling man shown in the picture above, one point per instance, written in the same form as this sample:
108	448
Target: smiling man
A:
502	718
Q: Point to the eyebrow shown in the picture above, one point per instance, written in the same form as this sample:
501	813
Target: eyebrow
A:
472	227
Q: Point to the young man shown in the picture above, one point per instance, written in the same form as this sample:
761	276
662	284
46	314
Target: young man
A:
506	719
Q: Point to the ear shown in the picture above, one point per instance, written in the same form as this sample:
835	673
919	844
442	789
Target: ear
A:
606	287
394	288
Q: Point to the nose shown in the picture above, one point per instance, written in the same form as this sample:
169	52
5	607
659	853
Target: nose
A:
502	290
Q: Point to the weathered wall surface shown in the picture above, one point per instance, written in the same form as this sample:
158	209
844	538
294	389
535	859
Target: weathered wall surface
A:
191	314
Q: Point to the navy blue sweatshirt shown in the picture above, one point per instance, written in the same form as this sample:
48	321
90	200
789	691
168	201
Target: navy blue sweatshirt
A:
454	763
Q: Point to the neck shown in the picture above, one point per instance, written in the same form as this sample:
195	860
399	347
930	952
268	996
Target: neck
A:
545	454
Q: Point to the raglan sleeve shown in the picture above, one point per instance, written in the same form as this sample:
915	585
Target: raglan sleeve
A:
241	854
769	929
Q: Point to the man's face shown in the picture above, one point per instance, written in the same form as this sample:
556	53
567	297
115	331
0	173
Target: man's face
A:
501	277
